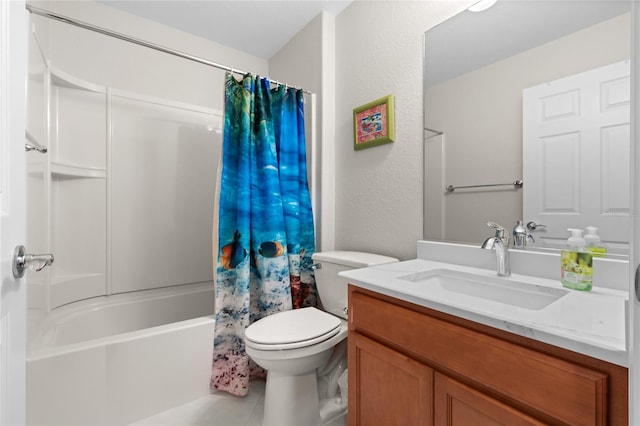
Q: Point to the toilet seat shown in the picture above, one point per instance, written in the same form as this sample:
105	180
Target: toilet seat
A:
292	329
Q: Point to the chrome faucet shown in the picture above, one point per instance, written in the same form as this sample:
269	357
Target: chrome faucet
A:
500	244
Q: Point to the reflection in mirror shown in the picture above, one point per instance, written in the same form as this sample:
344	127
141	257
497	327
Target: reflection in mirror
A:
538	91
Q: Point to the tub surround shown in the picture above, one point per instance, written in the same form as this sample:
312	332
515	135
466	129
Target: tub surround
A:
591	323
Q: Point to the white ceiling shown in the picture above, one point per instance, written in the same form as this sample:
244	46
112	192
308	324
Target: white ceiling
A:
258	27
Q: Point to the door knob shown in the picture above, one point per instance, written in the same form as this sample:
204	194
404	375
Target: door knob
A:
22	261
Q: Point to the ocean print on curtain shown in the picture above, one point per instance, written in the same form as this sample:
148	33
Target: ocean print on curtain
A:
266	233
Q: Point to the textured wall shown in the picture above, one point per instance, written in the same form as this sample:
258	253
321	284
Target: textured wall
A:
308	61
379	190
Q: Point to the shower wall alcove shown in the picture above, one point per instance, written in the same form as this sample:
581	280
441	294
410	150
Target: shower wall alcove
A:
124	197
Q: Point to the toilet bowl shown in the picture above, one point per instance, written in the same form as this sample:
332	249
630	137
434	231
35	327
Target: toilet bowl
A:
291	365
294	347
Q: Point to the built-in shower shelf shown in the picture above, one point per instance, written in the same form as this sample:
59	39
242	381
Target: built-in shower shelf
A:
36	74
73	170
60	78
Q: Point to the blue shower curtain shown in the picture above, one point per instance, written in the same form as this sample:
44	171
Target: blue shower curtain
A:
266	233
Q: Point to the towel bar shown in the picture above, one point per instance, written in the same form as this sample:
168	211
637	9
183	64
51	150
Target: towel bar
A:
517	184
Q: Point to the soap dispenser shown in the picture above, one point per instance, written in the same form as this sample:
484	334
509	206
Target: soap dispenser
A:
576	263
593	242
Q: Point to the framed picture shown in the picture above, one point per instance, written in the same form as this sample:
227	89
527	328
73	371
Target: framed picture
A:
373	123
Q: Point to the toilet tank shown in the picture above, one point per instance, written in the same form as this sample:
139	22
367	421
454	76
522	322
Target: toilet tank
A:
332	289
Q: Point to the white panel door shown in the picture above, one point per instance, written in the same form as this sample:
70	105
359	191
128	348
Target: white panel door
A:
576	134
13	54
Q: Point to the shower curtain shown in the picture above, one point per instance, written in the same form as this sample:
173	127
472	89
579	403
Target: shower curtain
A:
265	232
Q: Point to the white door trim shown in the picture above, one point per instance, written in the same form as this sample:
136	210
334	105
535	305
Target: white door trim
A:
13	58
633	328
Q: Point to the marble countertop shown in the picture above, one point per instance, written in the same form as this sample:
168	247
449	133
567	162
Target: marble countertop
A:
592	323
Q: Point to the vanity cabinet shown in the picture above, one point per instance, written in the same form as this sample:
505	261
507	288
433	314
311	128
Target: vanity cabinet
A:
411	365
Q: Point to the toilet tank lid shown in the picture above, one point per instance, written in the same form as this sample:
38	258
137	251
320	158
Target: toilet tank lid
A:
353	259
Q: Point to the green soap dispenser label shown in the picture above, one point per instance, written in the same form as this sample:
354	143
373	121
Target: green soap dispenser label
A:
577	270
598	251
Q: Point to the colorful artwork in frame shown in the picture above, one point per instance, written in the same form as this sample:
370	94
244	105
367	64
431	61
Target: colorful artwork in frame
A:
373	123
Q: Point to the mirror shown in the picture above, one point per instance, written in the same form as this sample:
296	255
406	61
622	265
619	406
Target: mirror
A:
490	117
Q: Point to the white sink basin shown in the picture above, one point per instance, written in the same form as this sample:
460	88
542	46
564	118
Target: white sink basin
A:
504	290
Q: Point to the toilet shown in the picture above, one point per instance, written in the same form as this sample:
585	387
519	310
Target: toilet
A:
304	351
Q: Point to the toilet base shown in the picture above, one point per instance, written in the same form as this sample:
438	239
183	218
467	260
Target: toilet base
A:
333	412
340	420
281	392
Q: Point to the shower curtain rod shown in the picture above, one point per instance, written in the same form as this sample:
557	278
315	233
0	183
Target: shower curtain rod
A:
94	28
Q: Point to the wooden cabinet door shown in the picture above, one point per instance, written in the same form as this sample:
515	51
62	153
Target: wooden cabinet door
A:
386	387
456	404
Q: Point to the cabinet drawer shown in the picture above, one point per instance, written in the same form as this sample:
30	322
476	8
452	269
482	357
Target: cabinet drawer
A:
554	388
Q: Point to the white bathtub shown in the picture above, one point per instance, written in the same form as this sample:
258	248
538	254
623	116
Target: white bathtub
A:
116	359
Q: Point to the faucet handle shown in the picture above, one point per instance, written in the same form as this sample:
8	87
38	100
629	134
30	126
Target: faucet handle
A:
532	226
520	235
498	228
499	232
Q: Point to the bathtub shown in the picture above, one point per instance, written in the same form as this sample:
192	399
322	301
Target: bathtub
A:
116	359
